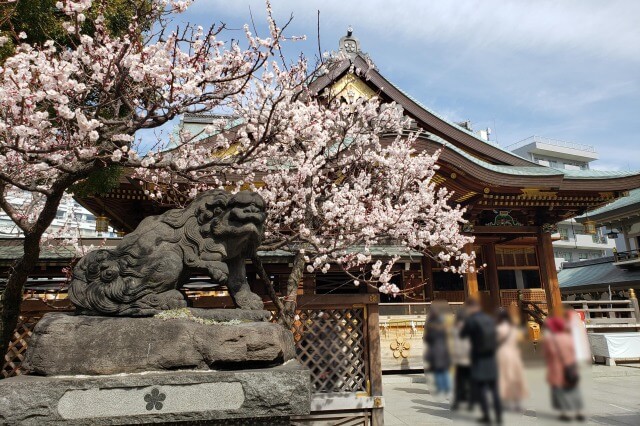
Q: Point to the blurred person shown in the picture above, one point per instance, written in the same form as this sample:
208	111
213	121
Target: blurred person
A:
511	381
481	330
437	356
578	330
461	357
562	373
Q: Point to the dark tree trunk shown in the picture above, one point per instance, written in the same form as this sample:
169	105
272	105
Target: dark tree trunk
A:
282	318
11	297
12	294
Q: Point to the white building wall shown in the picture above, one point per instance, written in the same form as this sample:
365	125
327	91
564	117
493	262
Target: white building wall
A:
572	244
71	220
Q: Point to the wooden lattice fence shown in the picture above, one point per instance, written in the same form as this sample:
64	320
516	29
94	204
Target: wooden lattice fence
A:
332	344
12	364
32	310
337	338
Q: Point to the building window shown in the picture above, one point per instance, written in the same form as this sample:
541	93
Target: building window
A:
570	165
516	256
582	256
564	234
565	255
507	280
447	281
531	279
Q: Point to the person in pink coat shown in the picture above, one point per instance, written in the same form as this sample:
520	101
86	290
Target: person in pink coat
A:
511	378
559	353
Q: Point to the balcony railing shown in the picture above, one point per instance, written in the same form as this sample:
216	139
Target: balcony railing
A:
553	142
599	239
631	256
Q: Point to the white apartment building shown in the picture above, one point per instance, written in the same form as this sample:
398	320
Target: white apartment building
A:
573	243
71	220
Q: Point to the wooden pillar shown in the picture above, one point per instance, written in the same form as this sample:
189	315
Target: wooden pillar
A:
427	277
470	278
548	272
375	356
491	273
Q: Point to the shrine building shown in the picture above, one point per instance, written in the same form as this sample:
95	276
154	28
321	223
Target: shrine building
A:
512	203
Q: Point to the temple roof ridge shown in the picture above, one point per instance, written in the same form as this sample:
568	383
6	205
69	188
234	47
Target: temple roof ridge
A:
458	126
622	202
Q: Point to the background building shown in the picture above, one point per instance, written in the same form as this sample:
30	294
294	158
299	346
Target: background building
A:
612	276
72	220
573	243
621	220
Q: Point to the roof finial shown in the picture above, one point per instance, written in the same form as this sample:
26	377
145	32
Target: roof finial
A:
349	44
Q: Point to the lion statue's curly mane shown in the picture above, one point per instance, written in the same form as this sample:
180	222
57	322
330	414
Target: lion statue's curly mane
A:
141	275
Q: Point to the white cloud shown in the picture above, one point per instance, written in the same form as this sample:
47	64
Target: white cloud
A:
607	28
563	69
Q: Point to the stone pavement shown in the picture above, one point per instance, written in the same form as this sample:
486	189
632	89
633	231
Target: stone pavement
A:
611	395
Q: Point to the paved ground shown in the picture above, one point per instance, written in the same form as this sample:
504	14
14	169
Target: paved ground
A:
612	397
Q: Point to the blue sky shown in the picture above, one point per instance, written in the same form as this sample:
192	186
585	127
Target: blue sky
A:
562	69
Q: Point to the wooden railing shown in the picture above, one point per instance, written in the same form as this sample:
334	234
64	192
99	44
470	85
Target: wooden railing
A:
411	309
601	314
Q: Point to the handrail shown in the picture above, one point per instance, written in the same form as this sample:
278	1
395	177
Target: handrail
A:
608	313
407	309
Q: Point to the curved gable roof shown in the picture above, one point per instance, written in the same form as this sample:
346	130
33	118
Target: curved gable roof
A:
428	119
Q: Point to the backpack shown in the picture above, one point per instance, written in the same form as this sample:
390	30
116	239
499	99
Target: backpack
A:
487	335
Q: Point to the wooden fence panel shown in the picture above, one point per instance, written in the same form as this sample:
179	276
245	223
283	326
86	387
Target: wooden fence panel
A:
331	343
12	365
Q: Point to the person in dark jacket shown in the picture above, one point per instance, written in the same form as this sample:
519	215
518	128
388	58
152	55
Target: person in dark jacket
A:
438	357
461	357
481	330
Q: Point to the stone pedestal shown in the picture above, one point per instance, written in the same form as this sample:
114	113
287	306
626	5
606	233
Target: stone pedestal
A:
258	397
67	344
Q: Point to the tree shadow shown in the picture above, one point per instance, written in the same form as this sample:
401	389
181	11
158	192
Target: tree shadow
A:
623	419
433	408
417	391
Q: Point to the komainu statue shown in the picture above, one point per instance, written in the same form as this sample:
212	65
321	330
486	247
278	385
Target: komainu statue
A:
140	276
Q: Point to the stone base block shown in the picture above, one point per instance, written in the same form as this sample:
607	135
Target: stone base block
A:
261	397
67	344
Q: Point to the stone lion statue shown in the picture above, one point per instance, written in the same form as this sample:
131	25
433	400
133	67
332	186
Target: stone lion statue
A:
140	276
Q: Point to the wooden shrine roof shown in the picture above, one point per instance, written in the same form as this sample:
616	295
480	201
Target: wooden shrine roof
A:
485	178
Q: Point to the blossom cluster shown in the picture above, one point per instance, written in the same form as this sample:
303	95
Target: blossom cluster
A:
66	111
341	176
